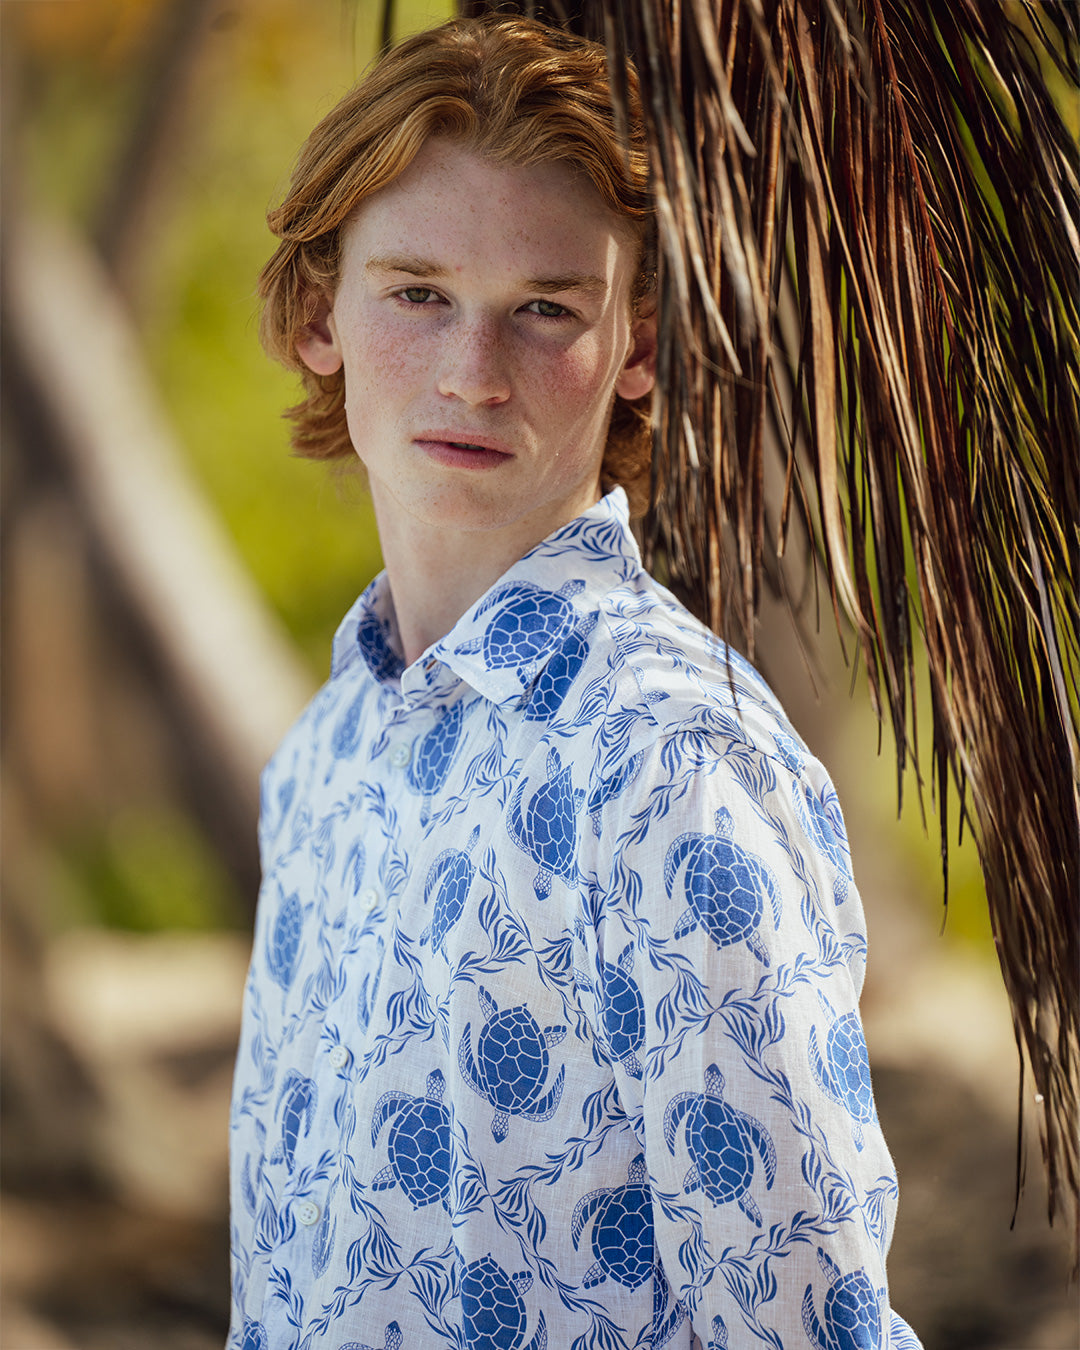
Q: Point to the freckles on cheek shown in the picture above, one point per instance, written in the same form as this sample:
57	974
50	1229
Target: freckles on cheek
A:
577	381
372	360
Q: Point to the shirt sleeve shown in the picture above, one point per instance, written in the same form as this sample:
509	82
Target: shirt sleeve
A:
726	890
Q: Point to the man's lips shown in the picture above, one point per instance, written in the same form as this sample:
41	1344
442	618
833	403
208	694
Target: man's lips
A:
462	450
463	440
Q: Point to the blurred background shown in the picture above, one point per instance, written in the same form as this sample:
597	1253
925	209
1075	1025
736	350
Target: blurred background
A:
172	578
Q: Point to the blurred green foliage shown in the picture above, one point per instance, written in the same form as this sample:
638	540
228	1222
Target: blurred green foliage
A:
150	869
267	71
913	835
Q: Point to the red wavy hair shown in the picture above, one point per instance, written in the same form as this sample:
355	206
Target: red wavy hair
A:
511	89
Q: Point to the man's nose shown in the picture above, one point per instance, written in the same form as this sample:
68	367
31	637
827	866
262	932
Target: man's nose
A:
474	365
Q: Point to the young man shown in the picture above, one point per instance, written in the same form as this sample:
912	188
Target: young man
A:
550	1036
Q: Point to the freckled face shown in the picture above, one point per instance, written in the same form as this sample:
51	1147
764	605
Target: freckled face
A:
483	322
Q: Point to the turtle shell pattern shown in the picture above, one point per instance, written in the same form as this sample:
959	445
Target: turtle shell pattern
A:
449	880
434	755
283	948
346	737
851	1313
622	1235
844	1074
297	1106
554	681
375	647
724	885
547	828
823	824
721	1142
392	1340
494	1313
530	620
254	1336
419	1142
669	1313
623	1010
511	1065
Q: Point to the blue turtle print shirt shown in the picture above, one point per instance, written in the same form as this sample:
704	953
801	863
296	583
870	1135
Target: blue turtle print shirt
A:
550	1036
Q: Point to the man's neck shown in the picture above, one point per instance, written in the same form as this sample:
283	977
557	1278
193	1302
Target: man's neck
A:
436	575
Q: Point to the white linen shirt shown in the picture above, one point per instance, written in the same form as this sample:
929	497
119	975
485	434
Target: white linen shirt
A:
551	1035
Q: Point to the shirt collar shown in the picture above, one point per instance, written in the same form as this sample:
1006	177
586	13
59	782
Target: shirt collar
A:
505	640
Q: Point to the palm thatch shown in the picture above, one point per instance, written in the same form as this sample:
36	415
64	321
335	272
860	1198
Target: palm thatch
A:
867	215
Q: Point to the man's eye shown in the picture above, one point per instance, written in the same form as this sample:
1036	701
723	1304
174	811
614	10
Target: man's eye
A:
547	309
417	295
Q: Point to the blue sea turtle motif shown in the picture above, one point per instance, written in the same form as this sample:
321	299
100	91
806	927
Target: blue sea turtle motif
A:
823	823
610	787
851	1313
298	1096
721	1142
664	1327
392	1340
434	754
844	1074
371	638
719	1339
554	681
254	1336
622	1009
530	620
790	751
448	880
346	734
622	1236
419	1142
283	947
494	1313
511	1064
724	885
547	829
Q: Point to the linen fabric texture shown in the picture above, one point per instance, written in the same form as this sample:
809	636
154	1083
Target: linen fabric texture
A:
550	1036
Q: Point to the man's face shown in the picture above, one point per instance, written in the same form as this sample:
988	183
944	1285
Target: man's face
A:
483	321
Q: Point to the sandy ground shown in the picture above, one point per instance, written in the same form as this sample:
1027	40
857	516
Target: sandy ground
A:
145	1264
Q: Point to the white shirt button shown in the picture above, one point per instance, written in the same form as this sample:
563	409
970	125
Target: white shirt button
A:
339	1057
307	1213
369	898
400	755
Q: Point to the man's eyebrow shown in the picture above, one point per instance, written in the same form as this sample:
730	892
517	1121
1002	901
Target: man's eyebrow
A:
426	267
550	285
407	263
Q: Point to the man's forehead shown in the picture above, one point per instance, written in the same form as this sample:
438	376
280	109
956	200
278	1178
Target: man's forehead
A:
550	206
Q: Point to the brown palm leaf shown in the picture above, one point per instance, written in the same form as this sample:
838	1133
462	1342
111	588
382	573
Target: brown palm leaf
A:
867	215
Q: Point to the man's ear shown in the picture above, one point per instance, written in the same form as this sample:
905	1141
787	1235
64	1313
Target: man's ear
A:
317	342
639	373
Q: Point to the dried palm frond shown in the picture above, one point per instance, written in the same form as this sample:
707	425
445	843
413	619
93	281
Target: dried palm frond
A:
867	215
